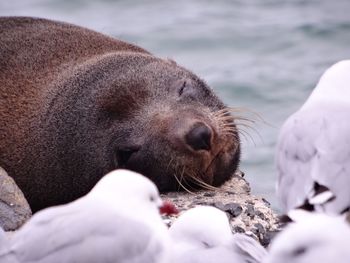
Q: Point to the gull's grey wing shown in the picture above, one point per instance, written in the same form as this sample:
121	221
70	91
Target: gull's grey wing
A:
314	147
75	234
295	151
249	250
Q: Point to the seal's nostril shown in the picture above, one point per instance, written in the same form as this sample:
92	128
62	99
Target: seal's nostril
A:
199	138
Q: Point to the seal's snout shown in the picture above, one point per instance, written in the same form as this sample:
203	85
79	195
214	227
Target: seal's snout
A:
199	137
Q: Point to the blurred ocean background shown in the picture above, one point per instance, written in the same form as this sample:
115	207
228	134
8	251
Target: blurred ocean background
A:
263	55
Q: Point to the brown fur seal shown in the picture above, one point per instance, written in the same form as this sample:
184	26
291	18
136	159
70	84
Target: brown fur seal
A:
76	104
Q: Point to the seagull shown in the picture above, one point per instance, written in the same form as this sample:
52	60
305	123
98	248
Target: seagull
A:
313	150
3	238
203	235
317	238
117	221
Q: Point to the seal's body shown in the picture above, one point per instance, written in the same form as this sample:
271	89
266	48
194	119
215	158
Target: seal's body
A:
76	104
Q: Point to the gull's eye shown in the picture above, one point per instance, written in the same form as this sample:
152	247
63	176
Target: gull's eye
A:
151	198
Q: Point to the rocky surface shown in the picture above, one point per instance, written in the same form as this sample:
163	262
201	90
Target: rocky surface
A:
247	213
14	208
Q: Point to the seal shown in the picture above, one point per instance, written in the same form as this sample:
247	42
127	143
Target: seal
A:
76	104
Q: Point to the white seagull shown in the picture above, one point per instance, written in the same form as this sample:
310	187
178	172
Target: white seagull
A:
3	238
318	238
117	221
313	152
203	235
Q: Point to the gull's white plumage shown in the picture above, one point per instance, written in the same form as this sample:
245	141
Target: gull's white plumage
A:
314	146
317	238
3	239
203	235
118	221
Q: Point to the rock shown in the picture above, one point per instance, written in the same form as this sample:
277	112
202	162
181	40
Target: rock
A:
233	209
238	229
250	211
247	213
14	208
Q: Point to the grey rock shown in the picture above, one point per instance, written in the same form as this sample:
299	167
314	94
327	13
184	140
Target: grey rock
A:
233	209
259	231
238	229
218	205
260	214
14	208
209	194
248	213
267	238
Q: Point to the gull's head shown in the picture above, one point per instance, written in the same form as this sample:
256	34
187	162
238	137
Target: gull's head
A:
334	85
318	238
126	188
201	227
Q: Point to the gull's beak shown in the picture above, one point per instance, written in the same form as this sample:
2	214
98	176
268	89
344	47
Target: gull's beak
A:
168	208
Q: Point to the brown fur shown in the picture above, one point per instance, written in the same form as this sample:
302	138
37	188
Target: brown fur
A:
71	99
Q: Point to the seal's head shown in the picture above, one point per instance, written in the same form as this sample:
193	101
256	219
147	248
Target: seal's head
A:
145	114
171	128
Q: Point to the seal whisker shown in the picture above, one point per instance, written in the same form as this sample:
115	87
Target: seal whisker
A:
234	123
171	160
246	135
176	176
251	128
243	109
212	160
234	117
228	124
196	178
180	183
243	135
222	114
182	174
230	133
247	126
254	116
203	184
